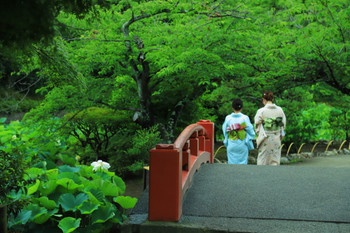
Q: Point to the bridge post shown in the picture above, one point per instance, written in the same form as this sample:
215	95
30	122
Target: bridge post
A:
209	144
165	183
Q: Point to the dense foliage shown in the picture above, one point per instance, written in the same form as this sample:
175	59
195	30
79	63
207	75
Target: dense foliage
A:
67	199
45	187
112	82
32	21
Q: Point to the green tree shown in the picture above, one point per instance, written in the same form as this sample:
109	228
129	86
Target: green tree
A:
174	62
120	58
26	22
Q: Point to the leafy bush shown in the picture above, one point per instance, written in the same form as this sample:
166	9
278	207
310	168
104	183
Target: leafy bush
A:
55	194
67	199
15	102
106	134
94	128
23	146
132	151
12	161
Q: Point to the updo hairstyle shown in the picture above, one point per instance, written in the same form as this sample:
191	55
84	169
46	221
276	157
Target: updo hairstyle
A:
268	96
237	104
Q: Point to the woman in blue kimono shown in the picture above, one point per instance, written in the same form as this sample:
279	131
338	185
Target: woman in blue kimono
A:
239	133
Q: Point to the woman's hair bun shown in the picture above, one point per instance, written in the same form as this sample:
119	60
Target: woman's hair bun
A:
268	96
237	104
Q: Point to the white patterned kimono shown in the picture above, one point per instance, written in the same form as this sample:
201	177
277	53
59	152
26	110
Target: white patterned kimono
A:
238	150
270	123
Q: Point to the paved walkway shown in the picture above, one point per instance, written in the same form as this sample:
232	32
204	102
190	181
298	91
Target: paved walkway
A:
236	198
342	160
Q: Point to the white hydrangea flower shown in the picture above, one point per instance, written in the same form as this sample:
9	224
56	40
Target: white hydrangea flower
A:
100	164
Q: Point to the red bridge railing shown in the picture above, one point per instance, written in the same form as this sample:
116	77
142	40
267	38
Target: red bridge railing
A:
172	167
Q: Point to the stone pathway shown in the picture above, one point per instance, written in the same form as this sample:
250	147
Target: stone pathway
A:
342	160
274	199
134	187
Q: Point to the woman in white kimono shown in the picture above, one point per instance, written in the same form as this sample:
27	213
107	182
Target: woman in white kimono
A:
270	123
239	133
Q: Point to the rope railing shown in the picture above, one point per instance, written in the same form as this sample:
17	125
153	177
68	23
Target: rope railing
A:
342	144
315	145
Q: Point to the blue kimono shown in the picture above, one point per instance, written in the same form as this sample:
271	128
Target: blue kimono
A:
238	149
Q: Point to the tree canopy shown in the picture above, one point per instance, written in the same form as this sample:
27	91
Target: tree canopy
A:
32	21
173	62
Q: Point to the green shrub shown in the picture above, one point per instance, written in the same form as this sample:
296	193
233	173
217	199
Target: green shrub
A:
17	103
12	161
23	146
110	135
94	128
131	151
67	199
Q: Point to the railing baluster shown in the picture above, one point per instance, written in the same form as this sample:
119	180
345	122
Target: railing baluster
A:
186	157
194	146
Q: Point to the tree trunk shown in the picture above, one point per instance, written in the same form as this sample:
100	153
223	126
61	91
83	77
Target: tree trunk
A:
146	118
3	219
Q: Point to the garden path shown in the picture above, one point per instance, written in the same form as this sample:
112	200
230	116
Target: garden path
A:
342	160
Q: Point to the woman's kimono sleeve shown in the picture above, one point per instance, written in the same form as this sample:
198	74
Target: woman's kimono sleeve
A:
258	120
250	134
284	120
224	127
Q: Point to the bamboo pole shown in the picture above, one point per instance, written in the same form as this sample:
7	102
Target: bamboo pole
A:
300	148
313	148
342	145
289	148
217	150
328	145
281	146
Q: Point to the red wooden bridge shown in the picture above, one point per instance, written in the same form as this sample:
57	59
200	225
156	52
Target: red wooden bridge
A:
172	167
236	198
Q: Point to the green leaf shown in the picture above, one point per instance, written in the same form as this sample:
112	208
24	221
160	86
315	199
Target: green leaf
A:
126	202
69	224
23	216
2	120
40	219
52	173
48	204
67	159
69	202
120	183
48	187
68	183
103	214
16	195
74	176
34	172
66	168
32	189
108	188
96	196
36	212
88	207
86	171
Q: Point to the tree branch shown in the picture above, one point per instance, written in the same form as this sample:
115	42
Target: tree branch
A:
80	39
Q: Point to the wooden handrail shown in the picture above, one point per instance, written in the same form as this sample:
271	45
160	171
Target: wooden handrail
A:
186	134
172	167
